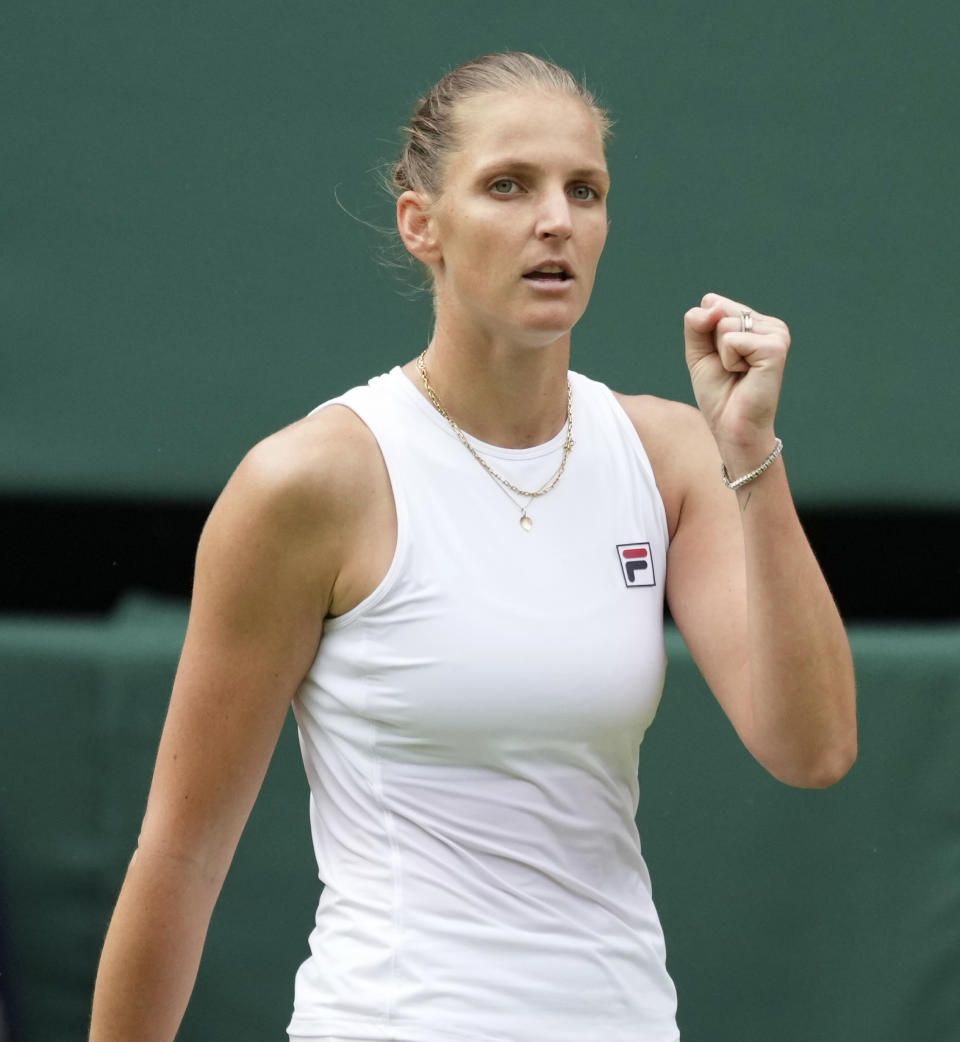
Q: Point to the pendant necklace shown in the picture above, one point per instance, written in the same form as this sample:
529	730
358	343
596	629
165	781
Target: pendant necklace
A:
526	521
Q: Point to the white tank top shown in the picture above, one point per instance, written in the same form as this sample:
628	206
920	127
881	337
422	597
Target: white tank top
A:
470	734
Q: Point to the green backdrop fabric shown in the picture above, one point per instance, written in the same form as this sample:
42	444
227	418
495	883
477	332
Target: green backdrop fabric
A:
190	193
789	915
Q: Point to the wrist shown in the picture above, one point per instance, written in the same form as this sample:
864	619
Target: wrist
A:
743	447
737	479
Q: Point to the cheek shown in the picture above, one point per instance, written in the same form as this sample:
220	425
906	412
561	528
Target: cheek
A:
603	227
464	239
599	241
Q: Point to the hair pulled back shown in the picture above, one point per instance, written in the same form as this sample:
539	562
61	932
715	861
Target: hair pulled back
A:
431	135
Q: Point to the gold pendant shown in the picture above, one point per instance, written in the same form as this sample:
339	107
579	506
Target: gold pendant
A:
526	523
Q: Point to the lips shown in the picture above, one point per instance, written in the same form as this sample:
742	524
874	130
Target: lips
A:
549	271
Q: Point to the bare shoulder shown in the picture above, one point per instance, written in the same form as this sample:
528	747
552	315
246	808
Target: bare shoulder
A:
660	419
301	501
678	443
312	470
311	456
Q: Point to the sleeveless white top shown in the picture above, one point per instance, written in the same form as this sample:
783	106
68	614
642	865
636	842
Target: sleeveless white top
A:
470	733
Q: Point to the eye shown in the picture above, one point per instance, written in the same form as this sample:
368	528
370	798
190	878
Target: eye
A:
504	186
585	193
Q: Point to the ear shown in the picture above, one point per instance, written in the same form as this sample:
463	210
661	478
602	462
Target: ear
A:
417	227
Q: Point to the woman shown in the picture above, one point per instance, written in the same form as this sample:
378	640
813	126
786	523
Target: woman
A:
484	540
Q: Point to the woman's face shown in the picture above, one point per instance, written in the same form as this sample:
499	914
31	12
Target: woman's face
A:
521	220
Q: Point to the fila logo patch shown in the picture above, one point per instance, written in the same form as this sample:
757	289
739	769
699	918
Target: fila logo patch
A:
636	563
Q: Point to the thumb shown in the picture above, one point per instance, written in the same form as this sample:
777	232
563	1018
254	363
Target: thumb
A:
698	326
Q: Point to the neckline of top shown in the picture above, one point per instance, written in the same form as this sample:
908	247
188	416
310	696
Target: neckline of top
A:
425	407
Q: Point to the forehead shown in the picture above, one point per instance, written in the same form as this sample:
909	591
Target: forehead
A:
538	126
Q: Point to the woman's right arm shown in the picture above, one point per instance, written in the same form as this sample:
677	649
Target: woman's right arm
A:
267	566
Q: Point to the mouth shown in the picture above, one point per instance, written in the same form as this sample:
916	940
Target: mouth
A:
549	273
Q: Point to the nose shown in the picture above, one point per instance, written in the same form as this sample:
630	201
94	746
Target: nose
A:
553	215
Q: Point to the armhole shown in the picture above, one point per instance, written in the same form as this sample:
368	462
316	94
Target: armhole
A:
400	551
633	439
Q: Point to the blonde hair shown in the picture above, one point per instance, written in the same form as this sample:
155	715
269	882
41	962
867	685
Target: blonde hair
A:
432	133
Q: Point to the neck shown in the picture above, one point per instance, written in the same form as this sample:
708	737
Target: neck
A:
504	394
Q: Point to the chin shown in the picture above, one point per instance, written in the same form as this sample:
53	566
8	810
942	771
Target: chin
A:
549	328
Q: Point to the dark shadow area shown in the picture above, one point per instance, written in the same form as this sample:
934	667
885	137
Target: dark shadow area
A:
885	564
8	986
80	556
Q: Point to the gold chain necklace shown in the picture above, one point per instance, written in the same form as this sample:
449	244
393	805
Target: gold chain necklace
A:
526	522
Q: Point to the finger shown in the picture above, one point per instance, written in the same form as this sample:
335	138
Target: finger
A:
729	306
732	355
758	324
702	320
775	333
734	309
742	351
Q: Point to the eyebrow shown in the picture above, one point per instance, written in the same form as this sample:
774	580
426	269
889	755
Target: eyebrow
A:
586	173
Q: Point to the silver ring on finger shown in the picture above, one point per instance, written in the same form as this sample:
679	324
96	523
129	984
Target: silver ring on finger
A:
746	321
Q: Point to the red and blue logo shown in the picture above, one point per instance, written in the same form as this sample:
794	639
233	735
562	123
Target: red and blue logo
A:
636	563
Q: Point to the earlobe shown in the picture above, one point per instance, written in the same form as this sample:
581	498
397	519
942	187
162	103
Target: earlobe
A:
417	227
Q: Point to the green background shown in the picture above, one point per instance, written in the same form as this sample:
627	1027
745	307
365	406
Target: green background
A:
182	273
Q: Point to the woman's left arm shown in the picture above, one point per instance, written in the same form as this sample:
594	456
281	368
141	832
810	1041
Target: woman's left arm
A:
743	585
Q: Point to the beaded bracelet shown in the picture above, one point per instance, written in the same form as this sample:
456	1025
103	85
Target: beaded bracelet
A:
754	474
